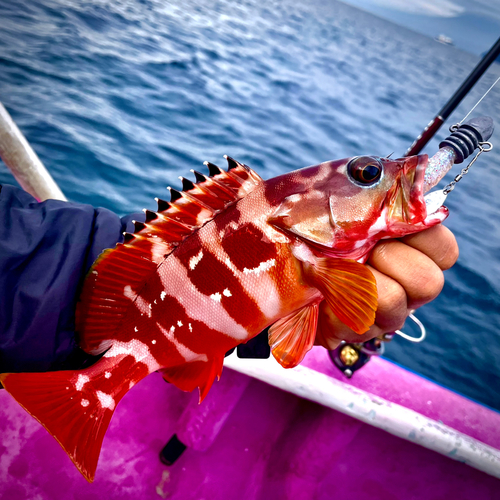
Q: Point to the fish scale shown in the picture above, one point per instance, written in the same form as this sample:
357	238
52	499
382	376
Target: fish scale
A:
225	258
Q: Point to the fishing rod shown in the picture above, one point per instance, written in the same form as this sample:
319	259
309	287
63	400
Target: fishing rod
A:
455	100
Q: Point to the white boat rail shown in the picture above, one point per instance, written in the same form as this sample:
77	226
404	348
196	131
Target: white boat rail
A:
24	163
373	410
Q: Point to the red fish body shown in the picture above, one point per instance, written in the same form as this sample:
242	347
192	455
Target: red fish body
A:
224	259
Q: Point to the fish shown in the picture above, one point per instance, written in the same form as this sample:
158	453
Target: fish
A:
227	257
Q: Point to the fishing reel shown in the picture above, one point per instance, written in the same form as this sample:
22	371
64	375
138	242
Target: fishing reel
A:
349	357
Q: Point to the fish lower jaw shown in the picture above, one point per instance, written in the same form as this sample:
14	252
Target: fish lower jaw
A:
399	229
435	208
436	217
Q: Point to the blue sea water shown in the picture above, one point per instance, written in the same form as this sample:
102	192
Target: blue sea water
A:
120	97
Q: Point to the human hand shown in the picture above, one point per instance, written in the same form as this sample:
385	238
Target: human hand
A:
409	274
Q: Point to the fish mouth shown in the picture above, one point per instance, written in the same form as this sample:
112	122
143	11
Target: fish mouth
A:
405	200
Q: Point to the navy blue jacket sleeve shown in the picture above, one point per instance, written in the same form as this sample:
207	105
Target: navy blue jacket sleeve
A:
46	250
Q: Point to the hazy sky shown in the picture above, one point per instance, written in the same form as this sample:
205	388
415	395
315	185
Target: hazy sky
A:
474	25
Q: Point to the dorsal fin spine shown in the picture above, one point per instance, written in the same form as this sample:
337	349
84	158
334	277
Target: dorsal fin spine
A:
187	185
239	179
222	186
196	201
175	238
162	204
175	208
174	194
127	237
237	163
175	222
231	180
218	204
213	169
231	162
201	185
150	215
199	177
218	191
138	226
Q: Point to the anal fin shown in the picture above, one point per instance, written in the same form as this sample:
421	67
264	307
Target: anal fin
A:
189	376
293	336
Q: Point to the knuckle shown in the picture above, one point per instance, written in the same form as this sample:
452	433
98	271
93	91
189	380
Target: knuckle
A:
450	253
426	287
395	295
381	252
392	307
397	322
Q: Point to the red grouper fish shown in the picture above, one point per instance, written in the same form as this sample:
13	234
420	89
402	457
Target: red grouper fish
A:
227	257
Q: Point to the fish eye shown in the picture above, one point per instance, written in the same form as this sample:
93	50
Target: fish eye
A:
365	170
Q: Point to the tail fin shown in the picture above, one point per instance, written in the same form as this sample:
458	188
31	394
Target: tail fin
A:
75	406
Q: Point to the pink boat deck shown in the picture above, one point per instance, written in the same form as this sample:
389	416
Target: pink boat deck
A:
252	441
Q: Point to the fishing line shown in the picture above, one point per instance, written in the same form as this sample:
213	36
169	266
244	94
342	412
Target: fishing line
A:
477	103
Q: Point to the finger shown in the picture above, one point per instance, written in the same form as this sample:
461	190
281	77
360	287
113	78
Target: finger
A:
392	307
391	314
438	243
418	274
331	331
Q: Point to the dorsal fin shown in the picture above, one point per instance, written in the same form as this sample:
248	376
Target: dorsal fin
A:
103	301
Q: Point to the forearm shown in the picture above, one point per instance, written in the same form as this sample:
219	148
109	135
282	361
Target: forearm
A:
46	249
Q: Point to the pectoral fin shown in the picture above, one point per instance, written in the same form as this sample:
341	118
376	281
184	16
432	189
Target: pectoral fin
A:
293	336
349	288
